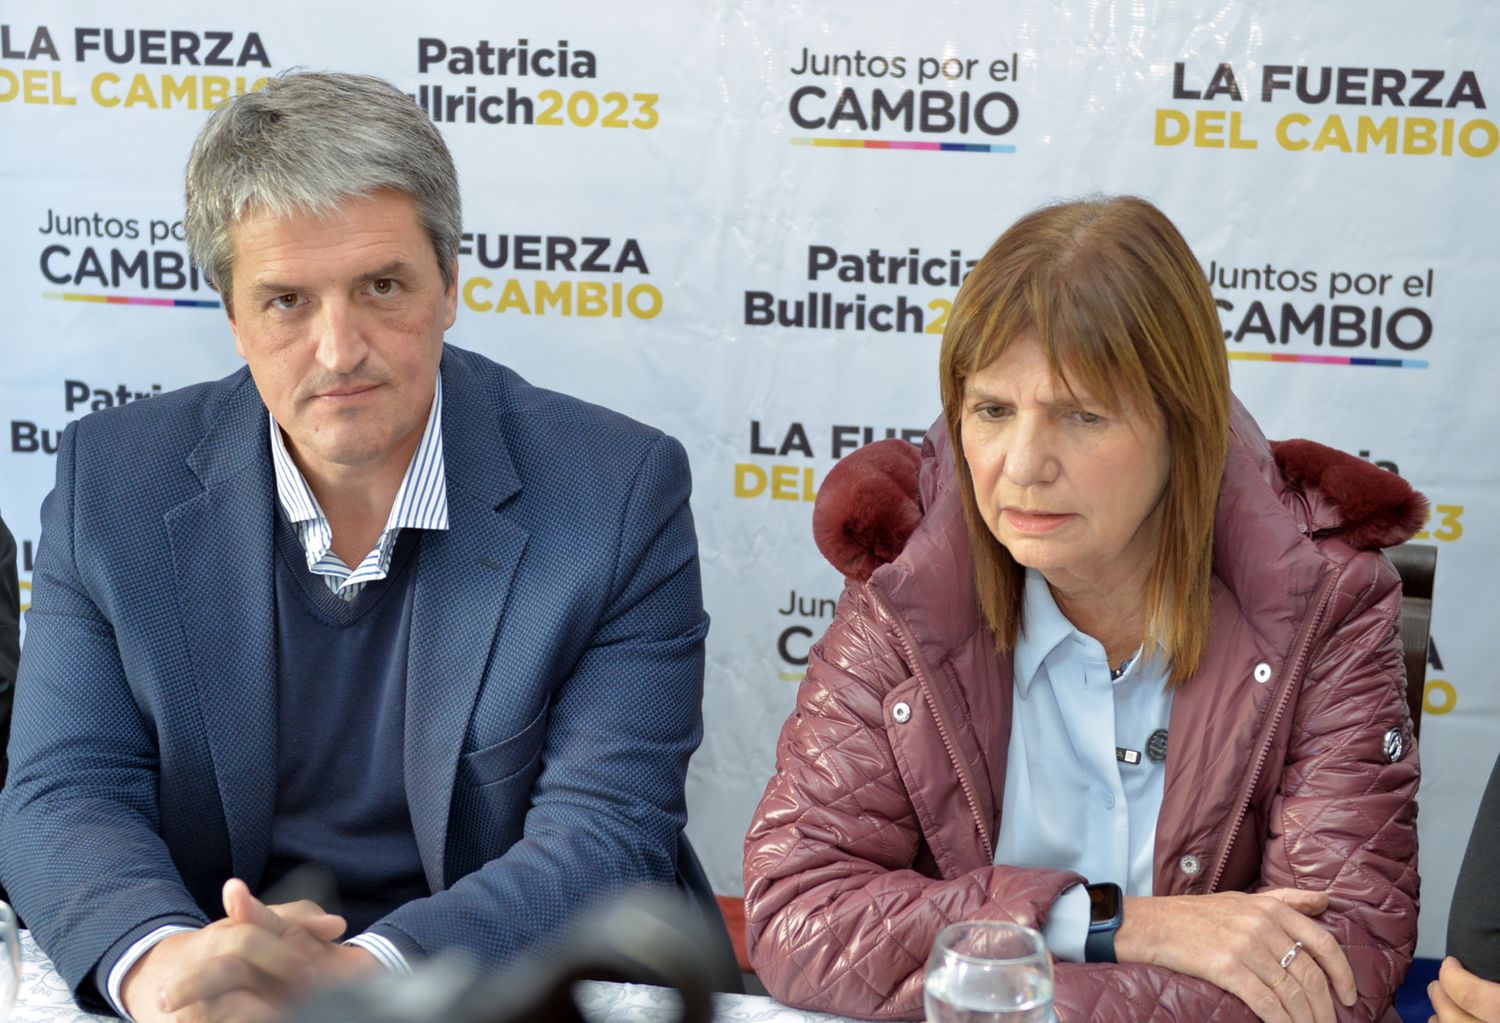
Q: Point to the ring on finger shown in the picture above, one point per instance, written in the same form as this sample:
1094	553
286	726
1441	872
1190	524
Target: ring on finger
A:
1290	956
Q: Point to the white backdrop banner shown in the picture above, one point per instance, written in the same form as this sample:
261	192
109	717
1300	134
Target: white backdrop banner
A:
745	222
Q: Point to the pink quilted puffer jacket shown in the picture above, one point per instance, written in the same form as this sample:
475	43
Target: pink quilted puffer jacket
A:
879	827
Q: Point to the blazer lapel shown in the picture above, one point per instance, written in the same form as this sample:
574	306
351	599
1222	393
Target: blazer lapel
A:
464	578
222	549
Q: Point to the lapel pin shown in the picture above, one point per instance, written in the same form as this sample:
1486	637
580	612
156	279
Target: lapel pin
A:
1156	746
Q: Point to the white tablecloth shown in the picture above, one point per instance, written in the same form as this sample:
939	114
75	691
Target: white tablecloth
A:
44	998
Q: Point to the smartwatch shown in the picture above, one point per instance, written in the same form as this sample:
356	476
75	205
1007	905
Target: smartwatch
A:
1106	913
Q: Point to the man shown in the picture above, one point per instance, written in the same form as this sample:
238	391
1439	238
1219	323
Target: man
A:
10	636
10	640
371	602
1468	984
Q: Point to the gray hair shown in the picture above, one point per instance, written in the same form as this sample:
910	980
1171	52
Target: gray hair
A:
306	143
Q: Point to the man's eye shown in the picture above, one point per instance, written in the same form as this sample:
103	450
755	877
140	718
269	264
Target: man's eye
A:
383	286
287	301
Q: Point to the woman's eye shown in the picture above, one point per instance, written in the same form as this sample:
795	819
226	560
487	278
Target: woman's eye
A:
1086	417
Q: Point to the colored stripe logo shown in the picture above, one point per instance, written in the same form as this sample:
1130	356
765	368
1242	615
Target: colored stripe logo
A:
1329	360
185	303
926	147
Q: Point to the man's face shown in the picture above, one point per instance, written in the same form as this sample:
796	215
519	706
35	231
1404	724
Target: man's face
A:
341	319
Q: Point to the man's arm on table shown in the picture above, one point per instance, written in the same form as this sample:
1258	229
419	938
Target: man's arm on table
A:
608	804
80	852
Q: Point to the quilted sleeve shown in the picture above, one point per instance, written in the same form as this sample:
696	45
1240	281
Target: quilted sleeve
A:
838	916
1344	818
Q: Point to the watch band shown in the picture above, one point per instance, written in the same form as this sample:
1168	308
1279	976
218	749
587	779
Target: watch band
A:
1099	946
1106	913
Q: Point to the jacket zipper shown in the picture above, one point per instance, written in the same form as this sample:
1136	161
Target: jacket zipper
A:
924	676
1299	665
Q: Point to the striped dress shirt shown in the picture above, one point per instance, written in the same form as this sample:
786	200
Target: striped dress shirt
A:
421	503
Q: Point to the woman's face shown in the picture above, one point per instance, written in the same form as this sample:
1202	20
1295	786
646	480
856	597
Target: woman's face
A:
1068	487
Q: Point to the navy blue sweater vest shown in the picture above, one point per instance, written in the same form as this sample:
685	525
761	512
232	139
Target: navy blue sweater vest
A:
341	702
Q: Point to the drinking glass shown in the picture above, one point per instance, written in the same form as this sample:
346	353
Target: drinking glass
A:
10	959
987	971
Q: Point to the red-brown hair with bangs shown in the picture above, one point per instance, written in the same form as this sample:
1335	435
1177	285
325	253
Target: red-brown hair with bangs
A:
1122	309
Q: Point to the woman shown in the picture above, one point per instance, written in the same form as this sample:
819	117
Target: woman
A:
1116	642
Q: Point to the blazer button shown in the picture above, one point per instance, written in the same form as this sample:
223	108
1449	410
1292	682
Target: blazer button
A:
1262	673
1190	865
901	712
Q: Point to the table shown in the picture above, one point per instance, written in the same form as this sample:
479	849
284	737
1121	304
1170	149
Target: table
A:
44	998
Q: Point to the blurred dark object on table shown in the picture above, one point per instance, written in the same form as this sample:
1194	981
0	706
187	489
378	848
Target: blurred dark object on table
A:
647	937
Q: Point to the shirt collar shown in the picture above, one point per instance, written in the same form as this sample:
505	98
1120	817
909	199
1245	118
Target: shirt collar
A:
421	500
1043	629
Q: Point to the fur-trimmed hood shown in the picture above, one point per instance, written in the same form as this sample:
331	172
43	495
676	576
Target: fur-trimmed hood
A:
874	499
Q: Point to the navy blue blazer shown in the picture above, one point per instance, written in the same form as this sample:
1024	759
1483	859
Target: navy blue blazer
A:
554	673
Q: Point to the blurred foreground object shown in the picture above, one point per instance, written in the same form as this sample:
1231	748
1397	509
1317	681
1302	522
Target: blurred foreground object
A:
647	937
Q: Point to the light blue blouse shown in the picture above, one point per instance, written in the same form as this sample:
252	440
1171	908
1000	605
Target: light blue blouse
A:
1070	803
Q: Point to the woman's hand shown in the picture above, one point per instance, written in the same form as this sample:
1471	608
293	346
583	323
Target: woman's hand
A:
1460	997
1238	942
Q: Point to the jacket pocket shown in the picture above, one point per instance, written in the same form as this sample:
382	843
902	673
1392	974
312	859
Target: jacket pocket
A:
491	797
506	758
